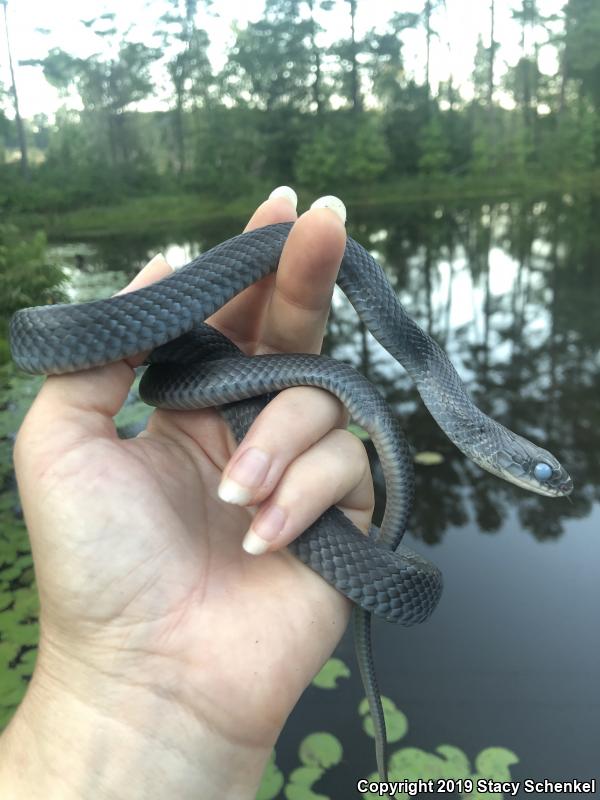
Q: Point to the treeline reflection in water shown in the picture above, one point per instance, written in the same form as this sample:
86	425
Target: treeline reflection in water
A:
511	292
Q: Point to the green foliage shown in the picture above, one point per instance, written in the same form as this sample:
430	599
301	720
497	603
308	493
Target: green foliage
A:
26	278
19	606
582	55
435	155
229	152
319	159
270	62
484	142
395	721
330	674
349	151
404	118
272	781
279	109
571	141
412	763
269	115
320	752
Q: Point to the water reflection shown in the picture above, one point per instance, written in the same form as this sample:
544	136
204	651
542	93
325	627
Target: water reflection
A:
510	290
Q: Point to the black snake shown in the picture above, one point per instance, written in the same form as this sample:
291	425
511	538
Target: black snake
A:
194	366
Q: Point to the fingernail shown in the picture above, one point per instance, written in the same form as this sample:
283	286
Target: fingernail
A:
154	259
266	527
254	545
287	192
157	261
332	202
244	477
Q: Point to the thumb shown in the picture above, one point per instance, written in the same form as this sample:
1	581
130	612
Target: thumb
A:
81	405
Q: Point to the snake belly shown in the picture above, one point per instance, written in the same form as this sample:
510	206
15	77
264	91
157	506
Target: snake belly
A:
377	573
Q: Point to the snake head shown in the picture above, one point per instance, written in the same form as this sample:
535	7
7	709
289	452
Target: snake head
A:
531	467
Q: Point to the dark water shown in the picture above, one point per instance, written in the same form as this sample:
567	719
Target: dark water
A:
511	658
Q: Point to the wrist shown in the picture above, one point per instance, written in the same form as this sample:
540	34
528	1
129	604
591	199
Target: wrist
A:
101	737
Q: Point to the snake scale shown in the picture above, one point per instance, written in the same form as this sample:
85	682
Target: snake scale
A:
194	366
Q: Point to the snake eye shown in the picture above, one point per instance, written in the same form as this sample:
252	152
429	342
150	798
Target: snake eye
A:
542	471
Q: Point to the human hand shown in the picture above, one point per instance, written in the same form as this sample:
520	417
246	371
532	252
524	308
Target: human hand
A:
164	645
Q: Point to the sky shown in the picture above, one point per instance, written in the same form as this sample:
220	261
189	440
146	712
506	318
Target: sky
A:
459	26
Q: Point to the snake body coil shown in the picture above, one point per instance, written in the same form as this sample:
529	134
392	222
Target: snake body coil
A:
194	366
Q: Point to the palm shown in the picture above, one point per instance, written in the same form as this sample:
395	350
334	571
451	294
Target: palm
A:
162	572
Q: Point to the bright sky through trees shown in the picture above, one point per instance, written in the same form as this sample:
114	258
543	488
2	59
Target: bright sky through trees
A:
452	52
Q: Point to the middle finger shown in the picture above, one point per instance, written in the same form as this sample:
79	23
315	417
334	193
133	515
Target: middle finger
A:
299	305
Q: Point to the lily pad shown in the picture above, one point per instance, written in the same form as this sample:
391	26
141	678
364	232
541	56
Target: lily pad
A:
358	431
26	663
306	776
6	599
412	763
456	763
396	722
494	763
8	653
272	781
428	458
331	672
26	603
296	791
320	750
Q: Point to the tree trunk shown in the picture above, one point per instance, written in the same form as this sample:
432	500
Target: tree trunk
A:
428	45
179	135
18	120
355	89
490	97
316	87
563	70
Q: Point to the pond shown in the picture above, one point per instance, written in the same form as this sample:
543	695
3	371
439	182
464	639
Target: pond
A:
502	681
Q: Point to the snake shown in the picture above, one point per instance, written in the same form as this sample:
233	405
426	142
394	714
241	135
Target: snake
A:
191	365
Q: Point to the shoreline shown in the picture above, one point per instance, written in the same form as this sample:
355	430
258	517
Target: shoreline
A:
182	211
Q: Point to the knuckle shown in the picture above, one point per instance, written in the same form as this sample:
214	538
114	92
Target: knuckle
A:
349	446
318	401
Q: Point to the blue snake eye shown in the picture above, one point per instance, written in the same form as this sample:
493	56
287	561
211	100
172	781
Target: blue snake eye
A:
542	471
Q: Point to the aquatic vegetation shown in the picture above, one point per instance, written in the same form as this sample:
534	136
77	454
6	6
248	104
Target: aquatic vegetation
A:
272	781
333	670
19	609
320	752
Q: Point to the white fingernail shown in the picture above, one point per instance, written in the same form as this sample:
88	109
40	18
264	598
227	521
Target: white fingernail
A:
231	492
159	257
332	202
254	545
287	192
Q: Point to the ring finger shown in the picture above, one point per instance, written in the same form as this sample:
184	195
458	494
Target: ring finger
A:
334	471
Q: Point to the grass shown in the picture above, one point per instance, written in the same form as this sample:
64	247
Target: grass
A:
181	212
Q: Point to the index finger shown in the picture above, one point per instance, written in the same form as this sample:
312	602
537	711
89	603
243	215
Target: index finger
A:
301	298
241	318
